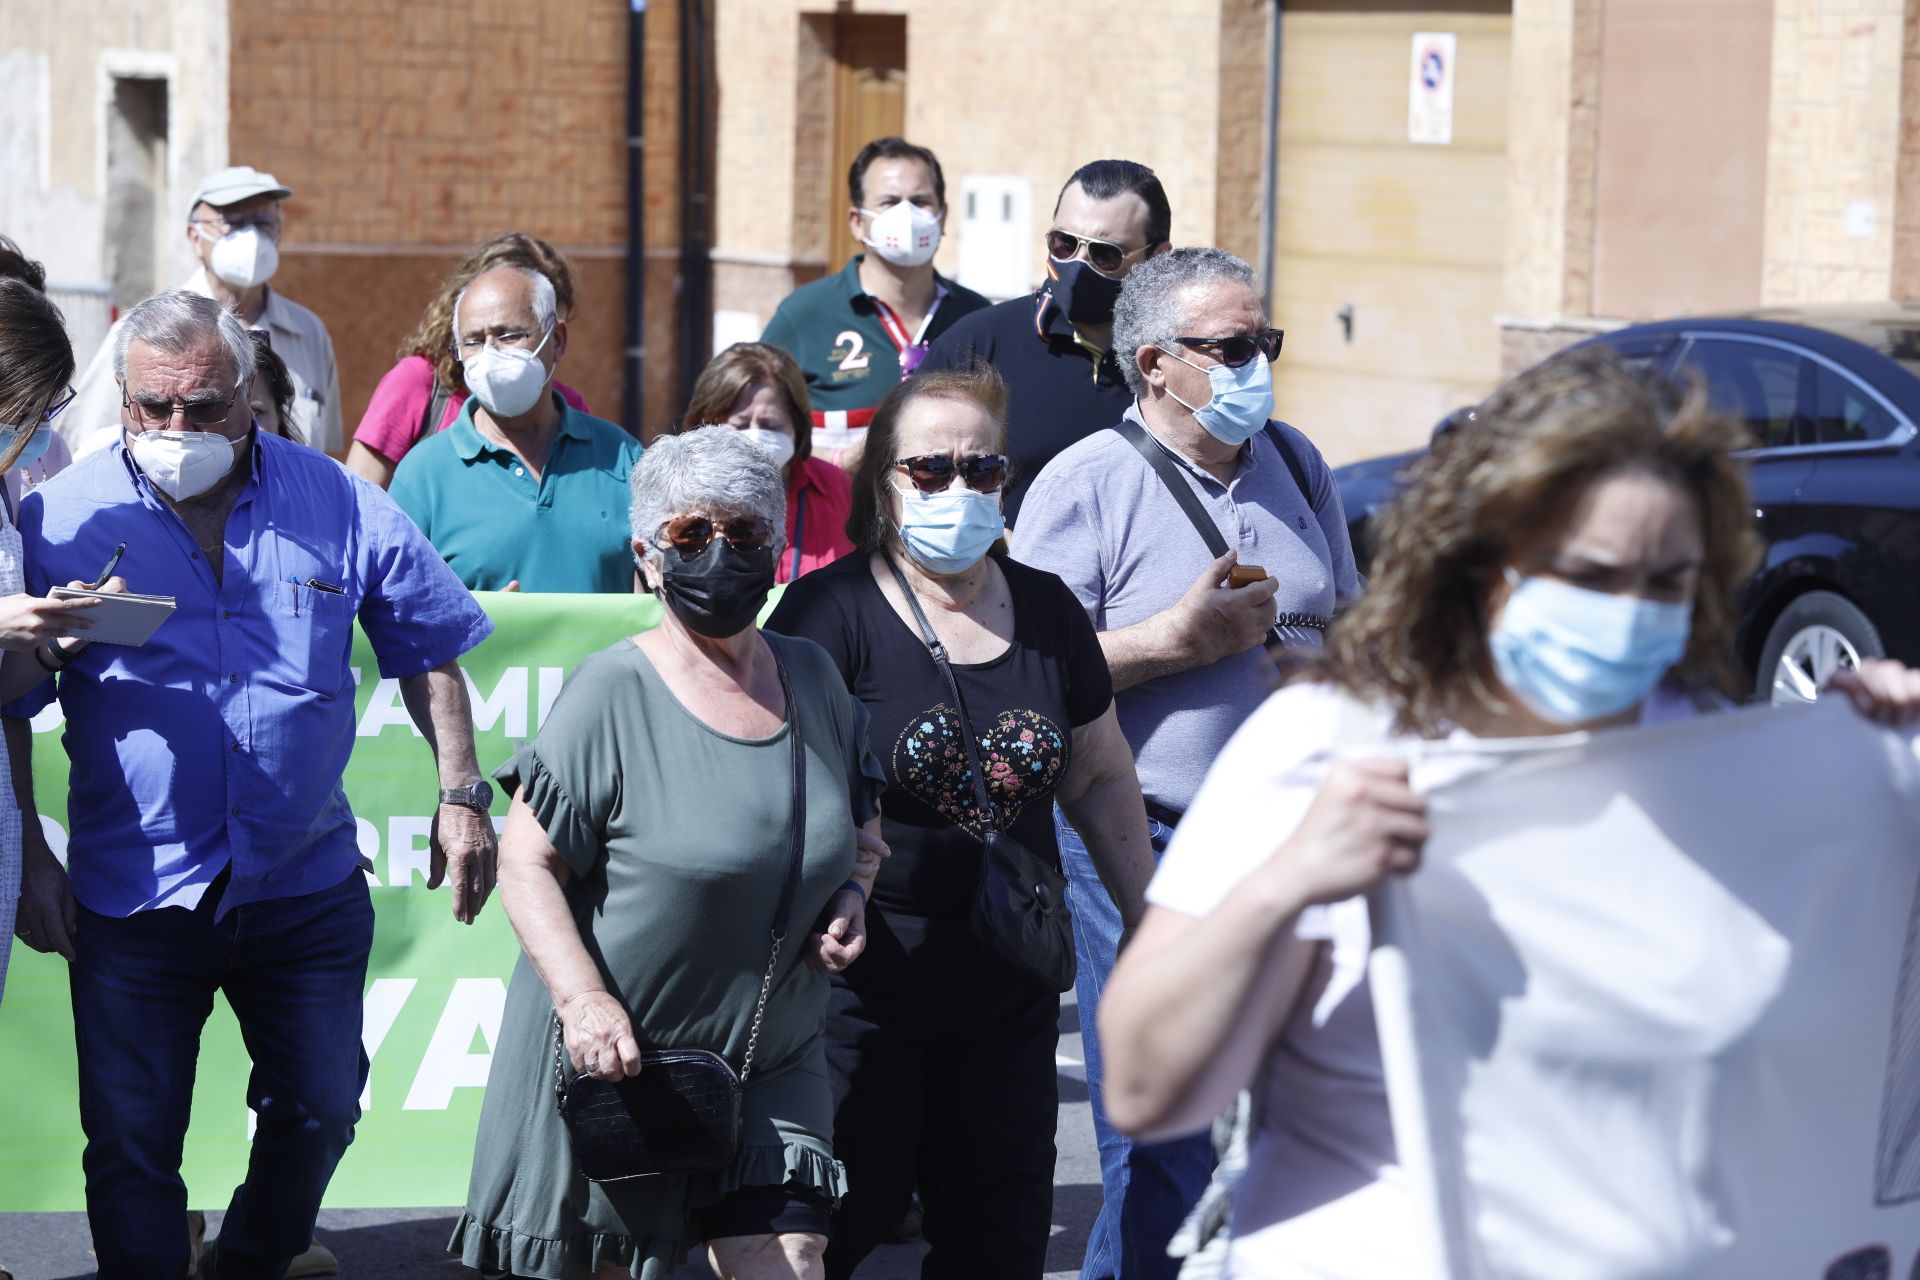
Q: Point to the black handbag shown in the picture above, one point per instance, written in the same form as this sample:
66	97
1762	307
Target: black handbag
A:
681	1114
1020	908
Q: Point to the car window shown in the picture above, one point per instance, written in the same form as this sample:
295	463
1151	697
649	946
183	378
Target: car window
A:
1756	383
1846	414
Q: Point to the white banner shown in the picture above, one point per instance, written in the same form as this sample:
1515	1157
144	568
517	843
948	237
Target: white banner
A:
1651	1008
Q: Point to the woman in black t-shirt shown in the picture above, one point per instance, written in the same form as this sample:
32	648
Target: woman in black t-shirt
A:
942	1054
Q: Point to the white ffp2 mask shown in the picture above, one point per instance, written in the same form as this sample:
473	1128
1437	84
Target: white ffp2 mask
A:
905	235
507	380
244	258
183	464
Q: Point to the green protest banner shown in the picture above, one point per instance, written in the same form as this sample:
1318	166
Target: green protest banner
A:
435	987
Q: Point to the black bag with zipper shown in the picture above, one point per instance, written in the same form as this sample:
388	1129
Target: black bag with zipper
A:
1020	908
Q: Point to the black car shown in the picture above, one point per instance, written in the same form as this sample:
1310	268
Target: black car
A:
1832	395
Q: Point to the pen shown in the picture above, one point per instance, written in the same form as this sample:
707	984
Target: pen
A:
113	563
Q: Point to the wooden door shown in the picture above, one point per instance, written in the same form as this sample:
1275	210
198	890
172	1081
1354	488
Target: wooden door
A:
1388	254
869	101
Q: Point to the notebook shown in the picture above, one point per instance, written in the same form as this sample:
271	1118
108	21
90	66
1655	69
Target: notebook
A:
120	618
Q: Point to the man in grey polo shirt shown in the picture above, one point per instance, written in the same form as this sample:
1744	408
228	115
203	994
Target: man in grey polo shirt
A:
1185	645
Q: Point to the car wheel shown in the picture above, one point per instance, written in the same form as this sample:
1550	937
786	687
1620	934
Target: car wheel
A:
1815	636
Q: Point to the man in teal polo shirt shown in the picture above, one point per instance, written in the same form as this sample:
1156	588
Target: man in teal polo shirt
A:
858	332
523	492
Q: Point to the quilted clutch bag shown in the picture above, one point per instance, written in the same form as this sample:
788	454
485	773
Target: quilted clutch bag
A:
681	1114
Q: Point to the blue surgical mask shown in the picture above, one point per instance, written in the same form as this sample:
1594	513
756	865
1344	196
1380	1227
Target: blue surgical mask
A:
36	447
1574	656
949	531
1242	399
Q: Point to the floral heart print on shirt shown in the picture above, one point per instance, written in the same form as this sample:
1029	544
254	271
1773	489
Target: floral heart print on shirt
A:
1023	752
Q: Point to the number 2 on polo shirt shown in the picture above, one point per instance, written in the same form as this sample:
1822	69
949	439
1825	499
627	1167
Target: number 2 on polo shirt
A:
850	354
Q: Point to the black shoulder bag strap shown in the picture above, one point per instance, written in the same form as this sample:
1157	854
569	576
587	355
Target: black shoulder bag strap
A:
436	408
1182	490
939	652
796	854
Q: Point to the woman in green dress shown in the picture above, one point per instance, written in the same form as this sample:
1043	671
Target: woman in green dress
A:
643	861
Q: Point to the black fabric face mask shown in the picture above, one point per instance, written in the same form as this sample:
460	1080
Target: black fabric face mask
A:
1083	295
719	592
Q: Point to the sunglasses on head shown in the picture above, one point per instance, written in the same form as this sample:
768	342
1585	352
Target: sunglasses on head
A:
1104	255
691	535
1239	349
934	472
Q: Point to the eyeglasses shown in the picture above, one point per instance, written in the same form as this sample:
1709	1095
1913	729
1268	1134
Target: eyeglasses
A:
1103	254
156	412
53	410
934	472
1240	348
469	347
691	534
265	223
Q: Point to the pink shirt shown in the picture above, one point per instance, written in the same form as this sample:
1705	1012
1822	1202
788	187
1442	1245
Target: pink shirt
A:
819	497
391	425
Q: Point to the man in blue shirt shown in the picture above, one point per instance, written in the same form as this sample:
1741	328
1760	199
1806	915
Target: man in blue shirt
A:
212	847
523	492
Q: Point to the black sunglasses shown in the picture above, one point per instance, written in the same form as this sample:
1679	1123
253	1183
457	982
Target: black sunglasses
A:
934	472
1240	348
1104	255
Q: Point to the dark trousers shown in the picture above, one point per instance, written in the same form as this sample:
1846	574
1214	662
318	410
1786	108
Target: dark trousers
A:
294	970
969	1119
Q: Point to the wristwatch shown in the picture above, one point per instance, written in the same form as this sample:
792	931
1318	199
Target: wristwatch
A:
475	795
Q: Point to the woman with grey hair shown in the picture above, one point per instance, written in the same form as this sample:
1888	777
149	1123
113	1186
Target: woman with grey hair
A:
643	901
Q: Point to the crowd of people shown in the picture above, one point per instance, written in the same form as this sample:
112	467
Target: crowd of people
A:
1063	690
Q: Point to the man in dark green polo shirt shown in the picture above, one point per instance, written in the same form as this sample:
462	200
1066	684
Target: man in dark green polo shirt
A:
523	492
1053	347
858	332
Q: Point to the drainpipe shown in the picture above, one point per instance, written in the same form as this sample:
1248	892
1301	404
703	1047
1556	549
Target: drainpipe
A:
696	264
1269	152
633	368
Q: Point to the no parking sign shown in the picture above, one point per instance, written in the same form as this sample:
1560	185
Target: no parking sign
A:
1430	88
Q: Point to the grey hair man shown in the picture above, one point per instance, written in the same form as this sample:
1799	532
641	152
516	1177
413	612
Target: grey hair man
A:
523	492
211	846
1194	532
233	230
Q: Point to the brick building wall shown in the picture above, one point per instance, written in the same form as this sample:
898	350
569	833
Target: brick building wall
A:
411	132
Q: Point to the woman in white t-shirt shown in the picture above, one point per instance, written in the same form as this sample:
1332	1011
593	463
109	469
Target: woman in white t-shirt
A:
1570	561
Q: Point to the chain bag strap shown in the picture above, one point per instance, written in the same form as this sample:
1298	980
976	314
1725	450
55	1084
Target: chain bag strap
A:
1020	906
681	1114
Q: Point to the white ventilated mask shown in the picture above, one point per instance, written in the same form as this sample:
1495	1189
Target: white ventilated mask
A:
778	444
507	380
905	235
183	464
244	257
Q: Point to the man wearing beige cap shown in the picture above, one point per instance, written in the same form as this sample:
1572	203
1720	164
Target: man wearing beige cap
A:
233	228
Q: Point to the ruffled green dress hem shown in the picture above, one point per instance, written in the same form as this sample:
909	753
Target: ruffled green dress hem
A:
494	1248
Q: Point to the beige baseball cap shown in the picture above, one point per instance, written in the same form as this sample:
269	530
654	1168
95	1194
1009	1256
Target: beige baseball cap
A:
234	184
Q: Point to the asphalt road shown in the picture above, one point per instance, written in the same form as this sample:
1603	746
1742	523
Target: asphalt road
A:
410	1244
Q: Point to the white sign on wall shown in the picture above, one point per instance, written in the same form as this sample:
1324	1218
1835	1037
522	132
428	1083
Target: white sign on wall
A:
996	235
1430	88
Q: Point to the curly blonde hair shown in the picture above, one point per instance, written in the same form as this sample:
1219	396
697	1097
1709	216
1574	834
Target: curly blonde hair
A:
1418	639
512	249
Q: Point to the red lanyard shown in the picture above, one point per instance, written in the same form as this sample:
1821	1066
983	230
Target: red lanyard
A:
912	350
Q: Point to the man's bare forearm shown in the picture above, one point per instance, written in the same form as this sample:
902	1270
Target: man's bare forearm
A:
437	702
1146	651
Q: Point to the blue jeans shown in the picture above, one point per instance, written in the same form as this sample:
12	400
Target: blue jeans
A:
294	970
1148	1187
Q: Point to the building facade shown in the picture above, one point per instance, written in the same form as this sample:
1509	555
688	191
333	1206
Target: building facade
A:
1437	193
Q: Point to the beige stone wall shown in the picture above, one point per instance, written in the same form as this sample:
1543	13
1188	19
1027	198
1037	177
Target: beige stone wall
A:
57	61
1835	142
1028	87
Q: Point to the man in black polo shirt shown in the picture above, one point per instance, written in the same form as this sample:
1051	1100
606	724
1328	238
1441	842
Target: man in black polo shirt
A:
1053	347
858	332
